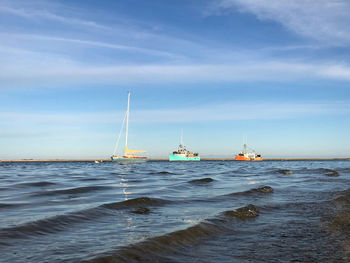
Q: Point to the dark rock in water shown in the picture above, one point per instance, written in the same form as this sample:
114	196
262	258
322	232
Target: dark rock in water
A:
332	173
203	180
141	211
341	221
344	198
284	171
264	189
248	211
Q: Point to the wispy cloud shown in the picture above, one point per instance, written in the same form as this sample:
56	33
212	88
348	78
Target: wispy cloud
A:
40	59
38	13
325	20
227	111
142	35
70	73
99	44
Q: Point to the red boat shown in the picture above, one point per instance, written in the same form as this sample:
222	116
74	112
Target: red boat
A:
248	156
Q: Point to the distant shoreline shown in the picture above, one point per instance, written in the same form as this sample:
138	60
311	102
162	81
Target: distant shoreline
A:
160	159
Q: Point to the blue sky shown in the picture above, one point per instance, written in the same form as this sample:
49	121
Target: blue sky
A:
277	72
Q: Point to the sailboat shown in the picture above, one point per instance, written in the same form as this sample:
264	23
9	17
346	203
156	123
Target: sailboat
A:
129	155
248	156
182	154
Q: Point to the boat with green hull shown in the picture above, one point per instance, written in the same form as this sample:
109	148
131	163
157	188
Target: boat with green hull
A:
177	157
182	154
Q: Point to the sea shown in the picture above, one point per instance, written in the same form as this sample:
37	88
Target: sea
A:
207	211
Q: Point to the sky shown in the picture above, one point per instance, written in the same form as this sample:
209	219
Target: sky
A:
274	72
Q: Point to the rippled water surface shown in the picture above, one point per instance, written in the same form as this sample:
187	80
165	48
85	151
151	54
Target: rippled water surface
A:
175	212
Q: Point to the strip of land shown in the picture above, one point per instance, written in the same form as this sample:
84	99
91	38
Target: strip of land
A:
202	159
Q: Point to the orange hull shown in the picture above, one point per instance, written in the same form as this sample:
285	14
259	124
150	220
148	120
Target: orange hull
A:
243	158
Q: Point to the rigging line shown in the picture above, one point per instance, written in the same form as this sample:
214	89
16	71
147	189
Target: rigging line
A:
120	133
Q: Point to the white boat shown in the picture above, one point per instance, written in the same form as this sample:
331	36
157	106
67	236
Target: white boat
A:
182	154
129	155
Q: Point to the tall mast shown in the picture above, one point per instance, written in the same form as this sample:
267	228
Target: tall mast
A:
127	123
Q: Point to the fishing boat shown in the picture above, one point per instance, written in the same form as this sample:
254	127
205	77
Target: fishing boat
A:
248	156
129	155
182	154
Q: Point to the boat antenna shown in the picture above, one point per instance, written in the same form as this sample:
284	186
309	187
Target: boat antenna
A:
244	143
181	137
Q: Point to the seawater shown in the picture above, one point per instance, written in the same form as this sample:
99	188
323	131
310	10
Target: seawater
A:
175	212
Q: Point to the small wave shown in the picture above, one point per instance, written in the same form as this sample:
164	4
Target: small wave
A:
325	171
151	249
285	171
49	225
315	171
161	173
263	189
6	205
201	181
62	222
38	184
344	170
72	191
92	179
137	202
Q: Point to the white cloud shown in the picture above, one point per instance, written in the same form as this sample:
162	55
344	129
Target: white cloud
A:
337	71
29	60
227	111
99	44
136	35
325	20
41	13
66	72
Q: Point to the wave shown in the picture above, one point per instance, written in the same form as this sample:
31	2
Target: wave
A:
324	171
92	179
49	225
137	202
151	249
161	173
344	169
201	181
61	222
284	171
316	171
57	223
72	191
38	184
6	205
262	189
